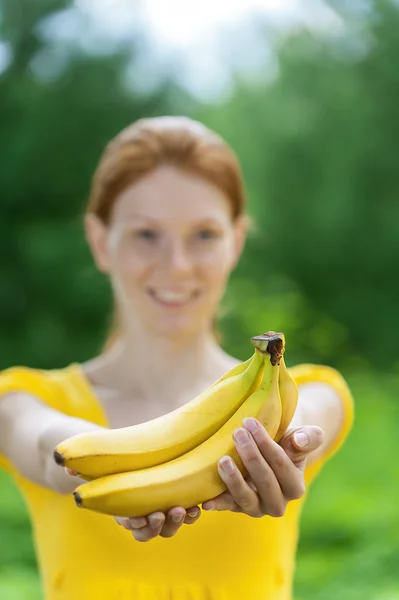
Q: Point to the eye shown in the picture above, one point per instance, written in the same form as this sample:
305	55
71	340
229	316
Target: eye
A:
207	234
149	235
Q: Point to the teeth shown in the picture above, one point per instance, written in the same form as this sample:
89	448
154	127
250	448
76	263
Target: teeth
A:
172	297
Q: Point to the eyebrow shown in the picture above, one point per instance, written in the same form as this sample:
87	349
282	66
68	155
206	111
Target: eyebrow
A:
137	216
210	220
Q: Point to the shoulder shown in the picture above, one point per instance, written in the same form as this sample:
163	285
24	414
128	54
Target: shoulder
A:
21	378
66	390
43	384
327	386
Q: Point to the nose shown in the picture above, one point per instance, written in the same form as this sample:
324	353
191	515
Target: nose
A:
177	259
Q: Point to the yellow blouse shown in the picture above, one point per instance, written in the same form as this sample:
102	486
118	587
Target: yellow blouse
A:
224	556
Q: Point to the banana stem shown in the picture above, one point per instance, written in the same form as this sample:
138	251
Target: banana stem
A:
272	343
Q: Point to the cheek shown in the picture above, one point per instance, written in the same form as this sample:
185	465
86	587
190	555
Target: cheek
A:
217	265
130	265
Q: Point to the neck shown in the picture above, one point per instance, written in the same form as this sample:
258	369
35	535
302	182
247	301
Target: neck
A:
154	368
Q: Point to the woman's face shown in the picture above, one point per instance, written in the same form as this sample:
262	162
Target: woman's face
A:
169	249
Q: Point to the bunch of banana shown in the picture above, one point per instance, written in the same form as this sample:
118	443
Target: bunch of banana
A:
172	460
154	442
287	387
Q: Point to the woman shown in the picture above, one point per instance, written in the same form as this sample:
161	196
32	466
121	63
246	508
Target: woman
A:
166	222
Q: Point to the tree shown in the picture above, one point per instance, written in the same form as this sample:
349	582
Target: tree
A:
53	302
319	150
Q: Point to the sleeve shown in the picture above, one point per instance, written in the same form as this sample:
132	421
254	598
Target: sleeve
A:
308	373
32	381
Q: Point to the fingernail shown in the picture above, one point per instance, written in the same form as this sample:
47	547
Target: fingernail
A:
177	518
241	436
301	439
72	472
137	525
209	506
251	424
155	522
227	465
193	514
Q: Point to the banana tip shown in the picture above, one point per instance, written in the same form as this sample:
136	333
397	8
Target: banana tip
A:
78	499
59	459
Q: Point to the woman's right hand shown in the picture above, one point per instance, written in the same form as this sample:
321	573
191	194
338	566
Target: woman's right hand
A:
158	523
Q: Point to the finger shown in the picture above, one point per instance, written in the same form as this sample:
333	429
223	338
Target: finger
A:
300	442
260	471
152	530
131	522
143	535
173	521
71	472
285	473
240	491
192	515
224	501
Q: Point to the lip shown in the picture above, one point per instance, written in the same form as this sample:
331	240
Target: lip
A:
170	303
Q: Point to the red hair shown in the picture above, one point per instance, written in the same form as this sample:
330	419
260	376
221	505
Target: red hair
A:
149	143
171	140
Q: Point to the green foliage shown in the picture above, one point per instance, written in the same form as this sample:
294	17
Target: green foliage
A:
319	152
318	149
350	523
53	303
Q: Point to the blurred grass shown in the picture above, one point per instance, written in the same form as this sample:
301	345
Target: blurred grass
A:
349	541
348	547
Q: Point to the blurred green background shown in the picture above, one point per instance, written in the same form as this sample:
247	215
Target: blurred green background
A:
315	122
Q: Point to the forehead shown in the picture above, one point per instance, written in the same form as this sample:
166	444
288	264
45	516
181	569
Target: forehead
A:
169	193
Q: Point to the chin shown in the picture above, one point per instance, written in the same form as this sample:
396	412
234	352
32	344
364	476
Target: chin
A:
175	328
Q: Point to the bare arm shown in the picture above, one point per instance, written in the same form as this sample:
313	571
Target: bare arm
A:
29	432
320	404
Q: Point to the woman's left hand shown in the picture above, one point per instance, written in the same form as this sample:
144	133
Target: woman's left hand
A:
275	471
276	476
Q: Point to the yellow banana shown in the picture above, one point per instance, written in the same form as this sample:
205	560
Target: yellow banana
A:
287	384
189	479
289	396
154	442
237	370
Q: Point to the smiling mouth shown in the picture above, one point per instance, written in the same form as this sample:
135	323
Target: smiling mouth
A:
173	299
